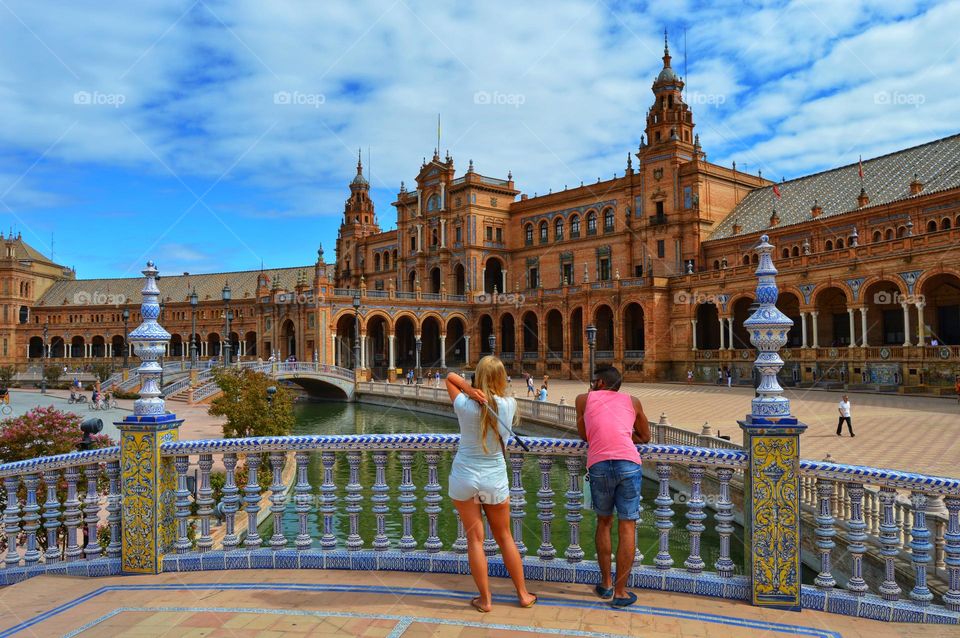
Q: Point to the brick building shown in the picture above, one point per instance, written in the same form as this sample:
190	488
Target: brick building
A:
659	258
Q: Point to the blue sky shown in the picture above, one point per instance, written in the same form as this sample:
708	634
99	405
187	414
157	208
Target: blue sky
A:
213	135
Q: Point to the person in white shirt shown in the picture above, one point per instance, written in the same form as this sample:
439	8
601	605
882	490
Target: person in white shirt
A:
844	409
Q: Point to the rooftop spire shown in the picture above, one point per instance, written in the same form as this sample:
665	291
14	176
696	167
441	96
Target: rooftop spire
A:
666	50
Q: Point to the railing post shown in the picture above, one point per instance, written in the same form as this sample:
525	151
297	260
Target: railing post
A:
51	515
664	514
71	514
251	498
856	535
278	499
890	540
951	599
407	498
354	498
695	516
433	499
518	504
182	544
147	481
302	501
230	502
31	518
328	508
545	509
771	437
11	519
205	502
724	518
920	549
380	498
574	507
825	533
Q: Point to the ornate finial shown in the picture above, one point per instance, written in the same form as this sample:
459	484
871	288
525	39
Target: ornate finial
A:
854	237
666	45
689	266
149	339
470	167
696	141
359	162
449	159
806	246
320	253
909	228
629	162
509	176
768	328
403	186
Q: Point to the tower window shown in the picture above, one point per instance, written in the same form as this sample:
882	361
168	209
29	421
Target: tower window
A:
608	220
661	249
459	234
591	223
574	227
499	235
558	229
489	231
657	136
528	235
543	232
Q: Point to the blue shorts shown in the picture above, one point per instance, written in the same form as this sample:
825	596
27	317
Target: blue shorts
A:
616	484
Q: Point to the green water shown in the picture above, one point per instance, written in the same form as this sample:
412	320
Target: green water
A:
351	418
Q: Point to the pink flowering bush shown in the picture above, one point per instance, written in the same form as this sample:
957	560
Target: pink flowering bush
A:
44	432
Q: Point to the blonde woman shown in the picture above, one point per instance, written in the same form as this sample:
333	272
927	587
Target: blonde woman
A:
478	476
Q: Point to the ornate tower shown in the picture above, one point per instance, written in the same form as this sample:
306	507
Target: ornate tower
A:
669	119
359	222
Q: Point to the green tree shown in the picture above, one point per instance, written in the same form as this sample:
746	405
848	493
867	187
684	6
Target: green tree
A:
52	373
244	403
102	371
6	375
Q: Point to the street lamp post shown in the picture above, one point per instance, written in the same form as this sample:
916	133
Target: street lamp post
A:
226	294
492	342
356	331
43	359
126	348
592	344
193	327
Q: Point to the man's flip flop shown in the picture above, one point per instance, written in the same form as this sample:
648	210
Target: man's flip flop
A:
604	594
475	603
624	602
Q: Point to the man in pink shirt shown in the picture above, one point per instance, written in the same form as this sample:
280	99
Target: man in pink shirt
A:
612	424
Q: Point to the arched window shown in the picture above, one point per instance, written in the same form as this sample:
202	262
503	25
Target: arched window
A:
394	258
945	223
386	260
877	235
901	232
434	237
755	259
746	260
888	235
716	264
575	226
376	262
558	229
796	251
591	223
828	245
786	253
839	244
433	203
932	226
528	234
608	220
543	232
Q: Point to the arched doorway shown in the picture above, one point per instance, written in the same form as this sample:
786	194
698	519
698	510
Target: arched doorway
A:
459	280
57	348
508	331
406	343
77	347
35	348
741	312
377	345
213	345
117	346
531	336
250	344
288	339
344	344
708	327
235	346
486	329
455	343
176	345
633	335
576	338
493	276
941	314
603	320
833	322
98	347
430	344
554	329
412	281
435	280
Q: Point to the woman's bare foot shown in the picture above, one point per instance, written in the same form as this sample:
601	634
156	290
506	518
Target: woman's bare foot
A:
478	604
527	600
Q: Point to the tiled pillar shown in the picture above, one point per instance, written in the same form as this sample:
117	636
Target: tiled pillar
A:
723	333
772	442
147	482
693	332
729	333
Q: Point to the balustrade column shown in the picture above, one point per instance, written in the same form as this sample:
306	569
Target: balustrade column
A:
443	351
278	499
460	545
11	519
433	499
803	329
182	544
696	516
230	502
724	518
31	519
723	333
390	352
466	349
91	510
518	501
407	498
664	514
920	549
252	499
890	541
906	323
328	507
205	502
380	498
951	599
490	547
71	514
863	327
825	533
853	328
816	328
302	500
51	516
545	509
921	327
353	499
574	507
856	535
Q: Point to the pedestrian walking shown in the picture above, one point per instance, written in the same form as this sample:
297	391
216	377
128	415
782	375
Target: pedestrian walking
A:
612	423
478	476
689	377
729	374
529	379
719	375
844	409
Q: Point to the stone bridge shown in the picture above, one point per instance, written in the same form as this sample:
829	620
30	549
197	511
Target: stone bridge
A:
318	379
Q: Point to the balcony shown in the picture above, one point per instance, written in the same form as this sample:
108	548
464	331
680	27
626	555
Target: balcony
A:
658	220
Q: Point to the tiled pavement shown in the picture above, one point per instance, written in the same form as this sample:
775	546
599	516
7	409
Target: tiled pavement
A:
315	603
919	434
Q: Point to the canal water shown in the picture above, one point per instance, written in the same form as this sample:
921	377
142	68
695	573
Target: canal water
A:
353	418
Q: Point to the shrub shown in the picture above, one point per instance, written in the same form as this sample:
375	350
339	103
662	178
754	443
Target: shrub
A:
244	404
44	432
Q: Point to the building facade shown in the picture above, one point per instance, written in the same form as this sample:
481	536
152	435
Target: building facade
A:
659	259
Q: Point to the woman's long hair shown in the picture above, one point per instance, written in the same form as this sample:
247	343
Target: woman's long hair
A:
491	379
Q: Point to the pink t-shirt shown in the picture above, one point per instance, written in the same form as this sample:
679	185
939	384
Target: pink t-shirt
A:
609	418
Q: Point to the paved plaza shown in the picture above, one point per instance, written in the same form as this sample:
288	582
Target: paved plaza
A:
238	604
